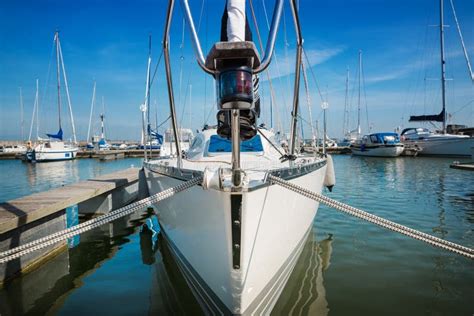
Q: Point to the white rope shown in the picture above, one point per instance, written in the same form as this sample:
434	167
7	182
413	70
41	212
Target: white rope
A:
432	240
94	223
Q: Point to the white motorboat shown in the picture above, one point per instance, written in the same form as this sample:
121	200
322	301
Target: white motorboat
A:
437	144
18	149
378	145
236	237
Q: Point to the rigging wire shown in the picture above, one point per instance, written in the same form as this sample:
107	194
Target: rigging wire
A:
270	83
365	99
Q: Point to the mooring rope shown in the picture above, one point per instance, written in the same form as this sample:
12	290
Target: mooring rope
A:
432	240
94	223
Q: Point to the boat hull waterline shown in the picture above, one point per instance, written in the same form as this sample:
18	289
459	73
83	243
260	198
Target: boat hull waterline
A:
444	146
274	225
378	151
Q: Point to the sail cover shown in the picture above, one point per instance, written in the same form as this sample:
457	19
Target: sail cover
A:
155	135
59	135
423	118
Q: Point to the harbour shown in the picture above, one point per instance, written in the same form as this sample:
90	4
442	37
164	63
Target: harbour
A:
341	253
222	180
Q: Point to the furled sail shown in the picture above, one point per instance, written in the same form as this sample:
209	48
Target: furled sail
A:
59	135
423	118
155	135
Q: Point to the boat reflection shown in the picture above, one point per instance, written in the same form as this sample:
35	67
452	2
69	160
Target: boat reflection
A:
305	293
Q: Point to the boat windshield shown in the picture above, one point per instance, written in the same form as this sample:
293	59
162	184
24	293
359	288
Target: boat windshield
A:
218	144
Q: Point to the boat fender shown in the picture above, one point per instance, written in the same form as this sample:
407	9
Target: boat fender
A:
211	179
330	177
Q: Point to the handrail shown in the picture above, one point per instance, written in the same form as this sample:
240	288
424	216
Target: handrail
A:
299	50
166	52
270	42
271	37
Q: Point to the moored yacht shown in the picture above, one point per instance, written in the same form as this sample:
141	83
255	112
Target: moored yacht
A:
236	236
378	145
437	144
55	148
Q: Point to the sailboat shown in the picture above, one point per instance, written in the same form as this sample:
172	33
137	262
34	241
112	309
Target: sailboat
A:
236	237
103	144
150	139
438	143
55	148
90	141
377	144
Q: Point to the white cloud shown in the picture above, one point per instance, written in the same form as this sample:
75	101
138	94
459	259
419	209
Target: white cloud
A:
284	66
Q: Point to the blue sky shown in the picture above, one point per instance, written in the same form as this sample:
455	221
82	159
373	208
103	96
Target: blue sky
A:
107	42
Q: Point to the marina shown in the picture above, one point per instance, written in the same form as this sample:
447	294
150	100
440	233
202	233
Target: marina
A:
227	187
128	264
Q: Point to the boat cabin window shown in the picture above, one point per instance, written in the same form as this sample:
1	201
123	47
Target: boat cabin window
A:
390	139
374	139
185	136
218	144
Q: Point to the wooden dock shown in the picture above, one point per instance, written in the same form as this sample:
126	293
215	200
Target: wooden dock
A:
33	207
31	217
463	166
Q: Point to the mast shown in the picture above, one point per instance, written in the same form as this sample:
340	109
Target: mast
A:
37	109
358	100
58	76
443	64
68	96
102	115
90	116
35	112
345	122
22	121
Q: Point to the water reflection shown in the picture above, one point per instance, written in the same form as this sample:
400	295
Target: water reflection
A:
305	293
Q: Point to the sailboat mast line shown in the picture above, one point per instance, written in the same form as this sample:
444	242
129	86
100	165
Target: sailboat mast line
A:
365	100
35	106
267	72
21	116
90	115
66	86
466	56
443	62
358	99
58	77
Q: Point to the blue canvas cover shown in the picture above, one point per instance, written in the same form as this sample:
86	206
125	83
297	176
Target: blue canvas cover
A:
155	135
218	144
59	135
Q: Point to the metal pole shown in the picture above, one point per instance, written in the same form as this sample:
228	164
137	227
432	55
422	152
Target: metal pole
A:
236	175
299	50
271	37
169	80
58	77
22	121
324	131
37	109
90	115
443	64
358	100
270	42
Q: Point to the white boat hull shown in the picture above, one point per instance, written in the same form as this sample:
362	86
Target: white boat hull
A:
54	151
382	151
56	155
455	146
199	227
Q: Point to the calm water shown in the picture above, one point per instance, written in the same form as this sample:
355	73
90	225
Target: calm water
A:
19	179
348	267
